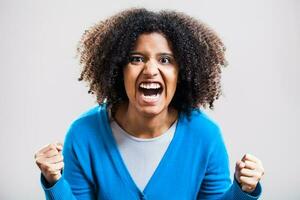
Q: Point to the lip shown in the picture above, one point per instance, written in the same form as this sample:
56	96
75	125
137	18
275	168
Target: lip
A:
149	102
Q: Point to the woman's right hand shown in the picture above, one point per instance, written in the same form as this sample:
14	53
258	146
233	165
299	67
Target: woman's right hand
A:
50	161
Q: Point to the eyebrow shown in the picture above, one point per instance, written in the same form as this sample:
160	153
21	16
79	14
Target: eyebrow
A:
162	53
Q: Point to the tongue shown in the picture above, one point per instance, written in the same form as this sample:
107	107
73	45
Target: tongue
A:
150	92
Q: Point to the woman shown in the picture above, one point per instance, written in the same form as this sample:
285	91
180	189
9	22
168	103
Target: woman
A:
148	138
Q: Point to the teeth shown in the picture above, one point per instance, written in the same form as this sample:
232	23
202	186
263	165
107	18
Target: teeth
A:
150	85
151	96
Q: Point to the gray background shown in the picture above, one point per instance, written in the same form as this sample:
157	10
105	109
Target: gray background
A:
40	96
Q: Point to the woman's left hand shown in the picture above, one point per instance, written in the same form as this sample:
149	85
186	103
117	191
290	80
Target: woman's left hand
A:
248	172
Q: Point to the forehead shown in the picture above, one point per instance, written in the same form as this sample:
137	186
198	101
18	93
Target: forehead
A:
152	42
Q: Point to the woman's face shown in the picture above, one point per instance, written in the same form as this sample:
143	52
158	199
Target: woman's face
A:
150	77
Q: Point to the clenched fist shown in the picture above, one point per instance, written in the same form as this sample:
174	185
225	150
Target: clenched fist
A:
50	161
248	172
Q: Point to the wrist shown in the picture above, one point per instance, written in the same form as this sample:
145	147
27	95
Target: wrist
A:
50	180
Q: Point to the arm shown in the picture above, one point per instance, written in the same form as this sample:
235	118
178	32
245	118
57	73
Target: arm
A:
73	184
216	183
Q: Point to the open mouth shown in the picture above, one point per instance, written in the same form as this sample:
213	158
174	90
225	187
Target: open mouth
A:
150	89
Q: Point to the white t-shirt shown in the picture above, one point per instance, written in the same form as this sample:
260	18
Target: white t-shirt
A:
141	156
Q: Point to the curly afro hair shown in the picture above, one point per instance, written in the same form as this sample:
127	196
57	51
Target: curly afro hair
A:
105	48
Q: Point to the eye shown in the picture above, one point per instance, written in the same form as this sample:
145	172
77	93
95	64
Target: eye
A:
165	60
136	59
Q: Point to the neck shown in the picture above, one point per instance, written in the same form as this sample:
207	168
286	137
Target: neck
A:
143	126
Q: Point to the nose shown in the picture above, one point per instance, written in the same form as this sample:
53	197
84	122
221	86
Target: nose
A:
150	69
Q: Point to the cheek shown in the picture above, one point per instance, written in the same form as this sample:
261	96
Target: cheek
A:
130	77
171	78
173	86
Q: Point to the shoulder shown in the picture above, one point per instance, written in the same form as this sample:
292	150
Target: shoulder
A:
87	118
201	126
86	124
200	120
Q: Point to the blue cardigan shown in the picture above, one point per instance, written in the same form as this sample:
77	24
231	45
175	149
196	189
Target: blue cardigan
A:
195	165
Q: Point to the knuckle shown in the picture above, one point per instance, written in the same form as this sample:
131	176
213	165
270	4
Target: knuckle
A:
243	171
247	155
48	169
242	178
62	166
52	146
257	175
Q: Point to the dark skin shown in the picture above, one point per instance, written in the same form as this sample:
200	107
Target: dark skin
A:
106	48
147	120
152	64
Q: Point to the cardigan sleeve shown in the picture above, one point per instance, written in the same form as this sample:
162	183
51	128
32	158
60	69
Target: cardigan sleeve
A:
73	185
216	183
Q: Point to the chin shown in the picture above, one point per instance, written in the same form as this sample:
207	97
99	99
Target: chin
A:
151	111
